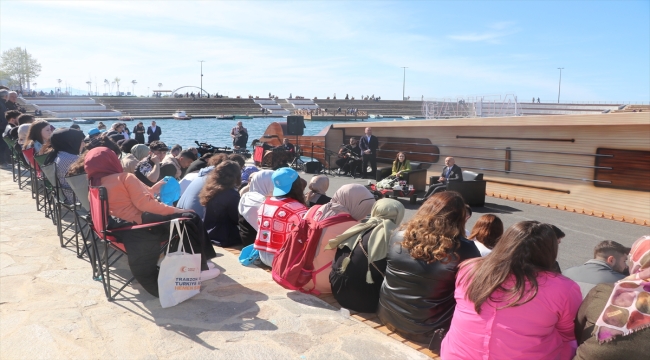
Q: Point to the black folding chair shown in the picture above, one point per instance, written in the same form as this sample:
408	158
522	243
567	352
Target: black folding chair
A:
62	208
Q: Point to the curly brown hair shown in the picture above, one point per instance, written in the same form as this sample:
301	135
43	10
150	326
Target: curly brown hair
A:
227	175
434	232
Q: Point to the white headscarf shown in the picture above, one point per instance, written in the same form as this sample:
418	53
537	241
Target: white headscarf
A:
260	187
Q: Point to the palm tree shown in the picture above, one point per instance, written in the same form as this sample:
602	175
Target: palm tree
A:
59	81
90	89
133	82
117	81
106	83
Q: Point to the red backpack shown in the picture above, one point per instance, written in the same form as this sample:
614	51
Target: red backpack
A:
293	265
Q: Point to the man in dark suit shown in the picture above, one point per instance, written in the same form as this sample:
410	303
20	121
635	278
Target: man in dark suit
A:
368	145
154	132
451	172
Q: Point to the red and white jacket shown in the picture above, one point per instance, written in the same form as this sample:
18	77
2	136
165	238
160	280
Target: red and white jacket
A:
275	219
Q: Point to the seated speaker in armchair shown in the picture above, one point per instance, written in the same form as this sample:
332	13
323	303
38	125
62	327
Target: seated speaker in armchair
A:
401	166
451	172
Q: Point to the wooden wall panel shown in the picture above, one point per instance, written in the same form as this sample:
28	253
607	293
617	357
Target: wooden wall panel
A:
561	162
629	169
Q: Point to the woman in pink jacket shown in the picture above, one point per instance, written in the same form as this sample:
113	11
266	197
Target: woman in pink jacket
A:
512	304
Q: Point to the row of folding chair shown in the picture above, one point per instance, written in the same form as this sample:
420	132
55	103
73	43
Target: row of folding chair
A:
83	222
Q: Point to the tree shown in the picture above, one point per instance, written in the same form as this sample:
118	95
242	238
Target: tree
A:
117	82
20	67
133	82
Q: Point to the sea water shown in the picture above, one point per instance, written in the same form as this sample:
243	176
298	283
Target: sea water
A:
212	131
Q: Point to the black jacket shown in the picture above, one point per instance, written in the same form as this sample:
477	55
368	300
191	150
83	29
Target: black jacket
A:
455	175
350	288
154	135
222	217
418	298
371	145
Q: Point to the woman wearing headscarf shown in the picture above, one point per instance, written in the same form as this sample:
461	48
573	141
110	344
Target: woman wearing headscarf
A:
318	186
260	187
352	199
129	161
613	321
66	144
360	261
132	202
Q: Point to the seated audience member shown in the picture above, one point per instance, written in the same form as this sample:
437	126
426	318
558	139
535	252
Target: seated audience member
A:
613	320
137	153
23	130
318	186
185	159
25	119
198	164
486	233
354	200
148	169
416	297
609	265
401	166
221	202
260	188
12	121
513	304
190	198
238	159
349	160
559	234
77	168
39	133
451	172
246	173
66	145
360	261
129	162
279	214
171	162
132	202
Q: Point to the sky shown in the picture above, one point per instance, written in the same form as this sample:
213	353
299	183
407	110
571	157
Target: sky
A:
451	49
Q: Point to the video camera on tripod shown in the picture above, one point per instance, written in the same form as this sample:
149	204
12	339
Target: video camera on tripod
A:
205	148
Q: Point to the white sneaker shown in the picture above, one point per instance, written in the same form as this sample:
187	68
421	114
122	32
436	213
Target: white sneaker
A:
210	274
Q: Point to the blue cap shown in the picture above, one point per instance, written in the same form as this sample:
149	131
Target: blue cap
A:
283	179
95	131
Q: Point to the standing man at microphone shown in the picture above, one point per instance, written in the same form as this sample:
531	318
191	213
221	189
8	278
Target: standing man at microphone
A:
368	145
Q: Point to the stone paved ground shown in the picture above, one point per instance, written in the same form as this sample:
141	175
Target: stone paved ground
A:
50	308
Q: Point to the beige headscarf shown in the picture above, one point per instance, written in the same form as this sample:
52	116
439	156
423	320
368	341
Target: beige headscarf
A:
385	217
353	199
140	151
318	186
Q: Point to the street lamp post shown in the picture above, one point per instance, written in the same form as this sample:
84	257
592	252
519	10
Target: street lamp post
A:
201	61
559	85
404	82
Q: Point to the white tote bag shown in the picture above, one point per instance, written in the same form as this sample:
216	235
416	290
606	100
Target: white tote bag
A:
180	272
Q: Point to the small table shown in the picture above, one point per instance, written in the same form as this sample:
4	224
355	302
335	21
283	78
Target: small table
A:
411	194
